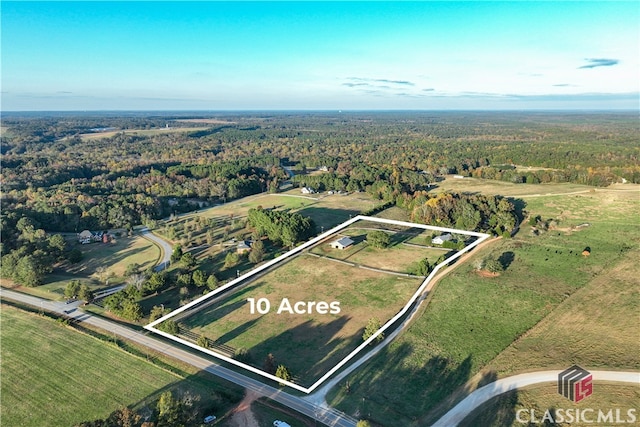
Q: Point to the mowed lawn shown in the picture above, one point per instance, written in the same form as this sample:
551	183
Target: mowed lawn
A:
54	376
114	256
308	344
502	410
471	319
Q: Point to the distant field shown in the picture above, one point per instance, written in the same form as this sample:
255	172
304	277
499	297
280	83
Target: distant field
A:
489	186
309	345
471	319
325	210
208	121
502	410
54	376
145	132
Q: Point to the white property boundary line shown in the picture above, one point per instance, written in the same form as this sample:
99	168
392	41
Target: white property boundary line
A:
151	326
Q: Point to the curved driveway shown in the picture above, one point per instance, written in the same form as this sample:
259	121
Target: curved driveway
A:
167	249
326	416
483	394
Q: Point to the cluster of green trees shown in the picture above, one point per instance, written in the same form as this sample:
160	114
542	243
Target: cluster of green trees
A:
171	410
28	252
75	289
281	227
488	213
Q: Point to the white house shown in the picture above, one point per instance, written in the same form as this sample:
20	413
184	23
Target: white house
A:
342	243
441	239
85	237
307	190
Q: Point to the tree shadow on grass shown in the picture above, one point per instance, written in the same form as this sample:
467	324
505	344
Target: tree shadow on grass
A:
404	236
306	349
326	217
506	259
499	411
218	307
410	390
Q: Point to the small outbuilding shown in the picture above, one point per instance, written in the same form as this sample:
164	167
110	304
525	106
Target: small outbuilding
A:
243	247
342	243
307	190
438	240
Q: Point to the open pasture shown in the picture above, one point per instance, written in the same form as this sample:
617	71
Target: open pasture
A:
487	186
471	319
308	344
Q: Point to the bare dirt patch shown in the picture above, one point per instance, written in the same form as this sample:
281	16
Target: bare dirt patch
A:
485	273
242	414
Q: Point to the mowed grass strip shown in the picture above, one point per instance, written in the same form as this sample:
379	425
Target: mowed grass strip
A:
471	319
54	376
308	344
502	411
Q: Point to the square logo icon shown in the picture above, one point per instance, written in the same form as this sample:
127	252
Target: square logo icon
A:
575	383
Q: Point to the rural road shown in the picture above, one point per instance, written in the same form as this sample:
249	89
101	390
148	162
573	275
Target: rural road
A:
327	416
483	394
167	249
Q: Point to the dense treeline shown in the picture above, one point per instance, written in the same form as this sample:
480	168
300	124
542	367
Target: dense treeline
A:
68	183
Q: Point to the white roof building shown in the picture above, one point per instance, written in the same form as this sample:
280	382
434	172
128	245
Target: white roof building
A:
342	243
441	239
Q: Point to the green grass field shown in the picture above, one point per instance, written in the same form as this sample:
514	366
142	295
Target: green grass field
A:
55	376
502	411
308	344
471	319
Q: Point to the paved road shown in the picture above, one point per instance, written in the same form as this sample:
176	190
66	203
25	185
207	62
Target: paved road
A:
483	394
327	416
167	249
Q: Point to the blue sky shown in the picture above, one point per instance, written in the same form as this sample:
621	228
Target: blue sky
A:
325	55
